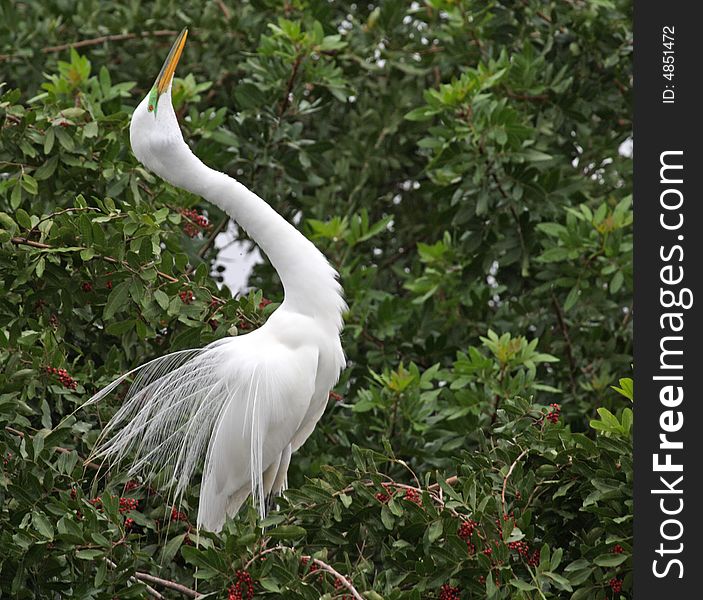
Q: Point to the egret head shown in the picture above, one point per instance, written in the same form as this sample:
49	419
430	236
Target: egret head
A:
154	128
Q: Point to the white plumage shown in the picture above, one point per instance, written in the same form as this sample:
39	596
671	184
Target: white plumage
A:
242	405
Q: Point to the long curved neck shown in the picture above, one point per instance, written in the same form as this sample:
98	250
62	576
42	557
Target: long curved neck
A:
309	282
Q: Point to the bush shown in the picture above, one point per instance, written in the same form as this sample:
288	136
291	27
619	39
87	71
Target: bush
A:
459	164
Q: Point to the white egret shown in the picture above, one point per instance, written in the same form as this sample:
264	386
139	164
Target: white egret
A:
242	405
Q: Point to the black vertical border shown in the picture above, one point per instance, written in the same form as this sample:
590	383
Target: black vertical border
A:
659	127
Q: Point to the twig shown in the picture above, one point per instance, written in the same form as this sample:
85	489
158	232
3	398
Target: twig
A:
223	8
117	37
523	246
567	340
144	577
451	481
59	449
20	241
320	563
172	585
343	580
60	212
527	97
507	476
289	86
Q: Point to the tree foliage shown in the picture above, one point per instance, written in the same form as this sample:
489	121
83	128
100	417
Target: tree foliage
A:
459	164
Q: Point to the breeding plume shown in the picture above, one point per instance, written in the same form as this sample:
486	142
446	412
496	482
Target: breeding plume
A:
239	407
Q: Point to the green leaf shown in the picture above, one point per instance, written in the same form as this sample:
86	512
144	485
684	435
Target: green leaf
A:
171	548
89	554
610	560
117	300
23	219
435	531
287	532
561	582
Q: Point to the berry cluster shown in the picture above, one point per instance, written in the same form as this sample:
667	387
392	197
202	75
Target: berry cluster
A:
506	517
108	284
128	504
553	415
618	549
264	303
186	296
6	459
54	321
87	286
195	222
339	585
314	567
131	485
177	515
448	592
128	524
413	496
466	529
384	497
615	585
522	548
64	378
243	588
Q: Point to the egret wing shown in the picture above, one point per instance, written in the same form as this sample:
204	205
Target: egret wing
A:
231	407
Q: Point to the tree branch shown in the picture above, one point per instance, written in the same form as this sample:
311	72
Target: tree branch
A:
21	241
118	37
172	585
567	340
289	86
90	465
323	565
507	476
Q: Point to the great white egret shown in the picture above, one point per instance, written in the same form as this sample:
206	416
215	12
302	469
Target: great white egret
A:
242	405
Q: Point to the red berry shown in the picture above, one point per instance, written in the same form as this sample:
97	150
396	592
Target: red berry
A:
534	558
413	496
466	529
448	592
243	588
131	485
186	296
177	515
127	504
553	415
615	585
618	549
522	548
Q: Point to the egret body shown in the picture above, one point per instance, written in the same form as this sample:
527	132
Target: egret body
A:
242	405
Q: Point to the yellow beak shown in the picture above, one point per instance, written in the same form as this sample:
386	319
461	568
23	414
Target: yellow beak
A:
167	71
